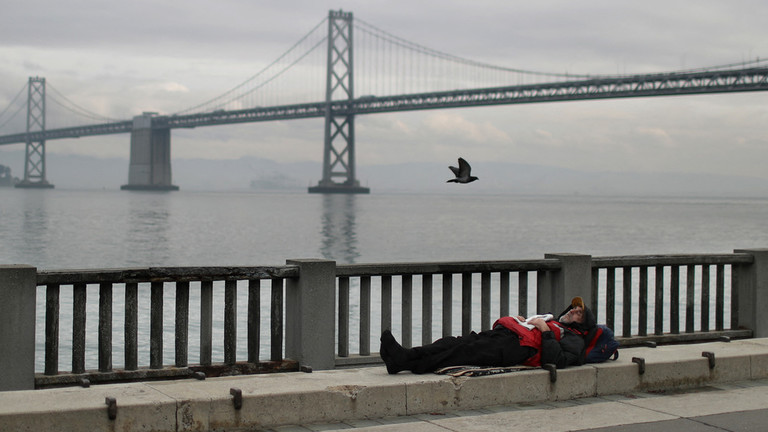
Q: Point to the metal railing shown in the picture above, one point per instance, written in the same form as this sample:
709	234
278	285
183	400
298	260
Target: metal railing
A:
518	287
158	281
324	315
667	291
496	282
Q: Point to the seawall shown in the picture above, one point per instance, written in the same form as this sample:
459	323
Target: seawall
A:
271	400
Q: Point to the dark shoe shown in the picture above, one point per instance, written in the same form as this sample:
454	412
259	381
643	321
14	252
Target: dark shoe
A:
392	353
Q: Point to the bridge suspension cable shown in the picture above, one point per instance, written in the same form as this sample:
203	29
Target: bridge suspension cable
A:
307	45
743	64
384	35
386	65
12	115
64	102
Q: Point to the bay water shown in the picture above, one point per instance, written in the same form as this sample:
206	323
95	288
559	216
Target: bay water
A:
88	229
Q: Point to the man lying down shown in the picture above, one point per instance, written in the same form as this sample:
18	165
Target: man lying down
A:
512	340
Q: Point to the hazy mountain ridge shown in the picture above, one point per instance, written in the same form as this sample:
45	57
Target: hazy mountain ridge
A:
252	173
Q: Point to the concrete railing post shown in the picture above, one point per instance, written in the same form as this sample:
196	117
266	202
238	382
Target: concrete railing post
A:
310	314
752	292
18	287
573	279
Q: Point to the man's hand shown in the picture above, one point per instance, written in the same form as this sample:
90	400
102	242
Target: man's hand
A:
540	324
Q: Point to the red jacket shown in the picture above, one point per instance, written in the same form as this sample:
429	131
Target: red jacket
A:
530	337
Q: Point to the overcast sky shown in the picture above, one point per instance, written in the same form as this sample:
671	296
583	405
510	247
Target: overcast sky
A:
122	58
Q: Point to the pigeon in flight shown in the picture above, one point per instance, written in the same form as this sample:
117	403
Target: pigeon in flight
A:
462	173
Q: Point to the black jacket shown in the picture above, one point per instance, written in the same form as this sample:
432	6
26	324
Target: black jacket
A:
571	349
568	351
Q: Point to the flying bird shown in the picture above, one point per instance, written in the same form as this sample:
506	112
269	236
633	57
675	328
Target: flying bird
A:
462	173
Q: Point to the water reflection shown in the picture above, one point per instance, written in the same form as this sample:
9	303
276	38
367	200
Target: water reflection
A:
339	230
148	229
35	227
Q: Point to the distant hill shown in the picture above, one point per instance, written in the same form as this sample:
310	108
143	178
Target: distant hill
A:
249	173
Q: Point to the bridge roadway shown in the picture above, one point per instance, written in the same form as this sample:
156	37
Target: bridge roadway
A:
715	386
660	84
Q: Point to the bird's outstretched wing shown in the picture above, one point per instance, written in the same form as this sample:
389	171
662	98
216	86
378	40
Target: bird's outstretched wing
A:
464	168
462	173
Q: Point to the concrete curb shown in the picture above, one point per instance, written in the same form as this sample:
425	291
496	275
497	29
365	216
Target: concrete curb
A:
329	396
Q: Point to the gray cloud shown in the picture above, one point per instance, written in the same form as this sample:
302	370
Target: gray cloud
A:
123	58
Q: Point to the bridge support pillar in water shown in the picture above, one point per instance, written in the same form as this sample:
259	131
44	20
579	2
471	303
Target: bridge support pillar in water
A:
150	166
339	143
34	157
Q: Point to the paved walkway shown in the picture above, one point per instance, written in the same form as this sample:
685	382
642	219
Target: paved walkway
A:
741	406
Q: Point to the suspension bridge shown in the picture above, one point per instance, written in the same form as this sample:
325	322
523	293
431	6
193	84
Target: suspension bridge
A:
321	76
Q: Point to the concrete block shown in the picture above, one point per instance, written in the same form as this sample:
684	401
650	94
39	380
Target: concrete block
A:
759	342
310	322
732	360
455	393
437	396
461	393
331	404
193	403
17	327
572	383
616	377
524	386
683	365
758	366
729	368
139	408
758	355
294	398
674	374
573	279
753	292
664	368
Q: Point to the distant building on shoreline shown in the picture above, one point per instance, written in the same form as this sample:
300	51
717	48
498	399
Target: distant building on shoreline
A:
6	179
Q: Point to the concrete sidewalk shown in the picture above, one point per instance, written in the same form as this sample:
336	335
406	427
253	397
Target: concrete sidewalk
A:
624	391
741	406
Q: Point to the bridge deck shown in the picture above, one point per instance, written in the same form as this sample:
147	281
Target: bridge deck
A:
647	85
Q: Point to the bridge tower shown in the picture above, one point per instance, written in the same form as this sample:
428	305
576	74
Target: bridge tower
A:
339	140
34	158
149	168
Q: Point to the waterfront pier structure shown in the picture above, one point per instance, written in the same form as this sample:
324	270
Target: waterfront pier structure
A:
315	295
676	382
672	298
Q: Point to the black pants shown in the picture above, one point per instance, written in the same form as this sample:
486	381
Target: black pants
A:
499	347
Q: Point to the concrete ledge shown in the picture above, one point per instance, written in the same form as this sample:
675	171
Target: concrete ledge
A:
327	396
139	408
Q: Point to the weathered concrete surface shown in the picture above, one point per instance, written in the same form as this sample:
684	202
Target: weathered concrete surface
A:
17	327
717	408
139	408
367	393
